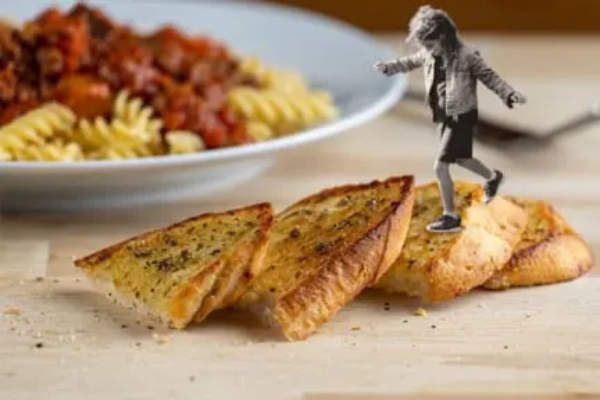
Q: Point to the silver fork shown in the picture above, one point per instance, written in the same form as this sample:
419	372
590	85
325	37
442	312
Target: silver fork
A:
495	134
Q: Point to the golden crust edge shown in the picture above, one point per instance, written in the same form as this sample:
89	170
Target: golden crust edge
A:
340	282
239	268
559	258
529	266
484	247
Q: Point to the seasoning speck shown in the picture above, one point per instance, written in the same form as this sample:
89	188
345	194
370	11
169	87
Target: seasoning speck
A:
192	378
123	326
295	233
433	326
150	327
356	328
39	345
505	347
421	312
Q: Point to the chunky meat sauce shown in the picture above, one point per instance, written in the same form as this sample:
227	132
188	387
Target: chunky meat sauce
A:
82	59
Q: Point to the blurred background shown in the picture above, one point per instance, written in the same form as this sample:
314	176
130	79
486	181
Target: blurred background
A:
501	16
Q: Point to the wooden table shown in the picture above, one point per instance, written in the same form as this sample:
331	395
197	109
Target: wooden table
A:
542	340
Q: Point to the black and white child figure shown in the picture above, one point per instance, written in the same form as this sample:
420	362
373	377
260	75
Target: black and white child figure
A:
451	70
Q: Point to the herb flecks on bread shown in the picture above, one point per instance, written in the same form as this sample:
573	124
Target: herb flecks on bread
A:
327	248
442	266
186	270
550	251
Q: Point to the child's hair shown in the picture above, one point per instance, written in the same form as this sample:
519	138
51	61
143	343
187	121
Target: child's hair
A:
429	23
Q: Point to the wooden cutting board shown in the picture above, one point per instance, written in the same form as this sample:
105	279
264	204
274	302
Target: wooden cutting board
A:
63	338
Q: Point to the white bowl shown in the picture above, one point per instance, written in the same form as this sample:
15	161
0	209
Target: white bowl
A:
332	55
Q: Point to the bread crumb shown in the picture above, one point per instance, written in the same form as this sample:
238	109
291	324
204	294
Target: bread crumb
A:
356	328
421	312
160	339
12	311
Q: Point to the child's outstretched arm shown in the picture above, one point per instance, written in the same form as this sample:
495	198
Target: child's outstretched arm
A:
494	82
401	65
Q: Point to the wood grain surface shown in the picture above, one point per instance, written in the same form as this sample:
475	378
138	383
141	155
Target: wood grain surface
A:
60	340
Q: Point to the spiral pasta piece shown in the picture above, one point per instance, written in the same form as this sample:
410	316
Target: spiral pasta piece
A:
102	133
51	151
120	152
281	111
280	80
5	156
35	126
184	142
259	131
132	112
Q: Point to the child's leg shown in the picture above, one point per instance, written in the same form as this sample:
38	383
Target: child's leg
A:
493	178
442	170
475	166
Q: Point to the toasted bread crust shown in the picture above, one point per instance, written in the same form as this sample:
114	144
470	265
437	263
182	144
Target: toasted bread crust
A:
217	284
317	300
464	260
193	296
559	255
484	247
238	270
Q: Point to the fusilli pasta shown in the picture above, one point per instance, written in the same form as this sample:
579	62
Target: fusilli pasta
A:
52	132
5	156
51	151
101	133
282	112
280	80
259	131
119	152
184	142
132	112
35	126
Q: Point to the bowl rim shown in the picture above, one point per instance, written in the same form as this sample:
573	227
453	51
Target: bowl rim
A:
393	93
